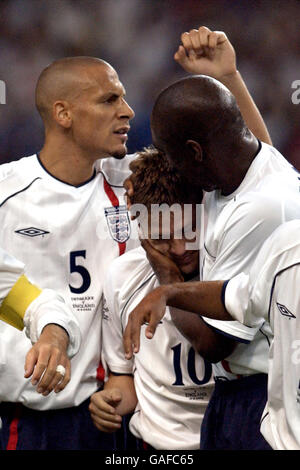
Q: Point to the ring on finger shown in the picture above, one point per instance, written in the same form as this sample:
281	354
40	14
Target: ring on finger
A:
61	370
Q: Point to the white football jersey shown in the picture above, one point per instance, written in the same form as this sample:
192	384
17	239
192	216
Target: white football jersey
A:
66	236
10	269
237	226
36	308
173	383
272	290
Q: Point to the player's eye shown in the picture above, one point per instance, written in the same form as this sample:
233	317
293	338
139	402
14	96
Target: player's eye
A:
112	99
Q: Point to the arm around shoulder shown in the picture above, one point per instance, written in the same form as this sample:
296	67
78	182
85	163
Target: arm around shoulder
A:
207	342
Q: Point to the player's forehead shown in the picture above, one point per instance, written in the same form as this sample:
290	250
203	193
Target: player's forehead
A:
102	79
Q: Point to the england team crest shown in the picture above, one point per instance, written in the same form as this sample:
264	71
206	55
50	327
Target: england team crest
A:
118	223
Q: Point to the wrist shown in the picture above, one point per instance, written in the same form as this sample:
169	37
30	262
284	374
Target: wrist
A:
168	291
55	333
170	277
230	79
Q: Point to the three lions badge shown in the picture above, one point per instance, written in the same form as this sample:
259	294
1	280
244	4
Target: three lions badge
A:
118	223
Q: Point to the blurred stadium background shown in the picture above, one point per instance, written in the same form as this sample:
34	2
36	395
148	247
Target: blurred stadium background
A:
139	38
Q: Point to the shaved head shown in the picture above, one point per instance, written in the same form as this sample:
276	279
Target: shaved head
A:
198	108
64	79
82	104
197	124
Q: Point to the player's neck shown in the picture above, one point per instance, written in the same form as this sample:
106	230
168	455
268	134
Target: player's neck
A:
66	164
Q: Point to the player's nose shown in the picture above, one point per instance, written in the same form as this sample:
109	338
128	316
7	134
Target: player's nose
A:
177	247
126	111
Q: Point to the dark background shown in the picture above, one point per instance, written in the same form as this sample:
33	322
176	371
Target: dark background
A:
139	38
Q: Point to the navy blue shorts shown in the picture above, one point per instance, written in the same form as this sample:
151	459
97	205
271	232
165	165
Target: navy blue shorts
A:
142	445
232	418
63	429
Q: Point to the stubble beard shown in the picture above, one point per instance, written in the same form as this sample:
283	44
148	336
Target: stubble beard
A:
120	155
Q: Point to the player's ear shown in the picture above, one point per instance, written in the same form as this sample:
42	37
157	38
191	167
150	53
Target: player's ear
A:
62	114
194	149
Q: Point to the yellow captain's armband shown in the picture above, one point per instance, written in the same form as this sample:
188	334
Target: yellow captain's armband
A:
15	304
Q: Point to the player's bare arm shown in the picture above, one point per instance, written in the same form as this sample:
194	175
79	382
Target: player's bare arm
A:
23	305
210	53
209	344
117	399
202	298
43	358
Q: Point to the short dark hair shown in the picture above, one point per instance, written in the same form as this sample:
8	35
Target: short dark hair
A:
199	108
156	181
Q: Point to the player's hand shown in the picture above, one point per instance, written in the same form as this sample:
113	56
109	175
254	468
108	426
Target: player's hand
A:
206	52
102	408
150	310
44	357
165	268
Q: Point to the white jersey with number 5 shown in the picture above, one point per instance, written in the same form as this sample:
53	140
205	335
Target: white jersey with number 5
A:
272	291
173	383
66	236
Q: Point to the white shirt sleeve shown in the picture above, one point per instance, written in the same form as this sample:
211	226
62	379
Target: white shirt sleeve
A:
113	325
10	271
240	304
250	224
247	296
49	307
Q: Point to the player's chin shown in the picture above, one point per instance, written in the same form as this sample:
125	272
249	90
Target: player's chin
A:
119	153
190	267
209	186
187	269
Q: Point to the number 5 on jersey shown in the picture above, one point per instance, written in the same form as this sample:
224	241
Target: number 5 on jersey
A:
77	267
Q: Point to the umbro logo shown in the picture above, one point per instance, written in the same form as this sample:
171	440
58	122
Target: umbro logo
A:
31	232
285	311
